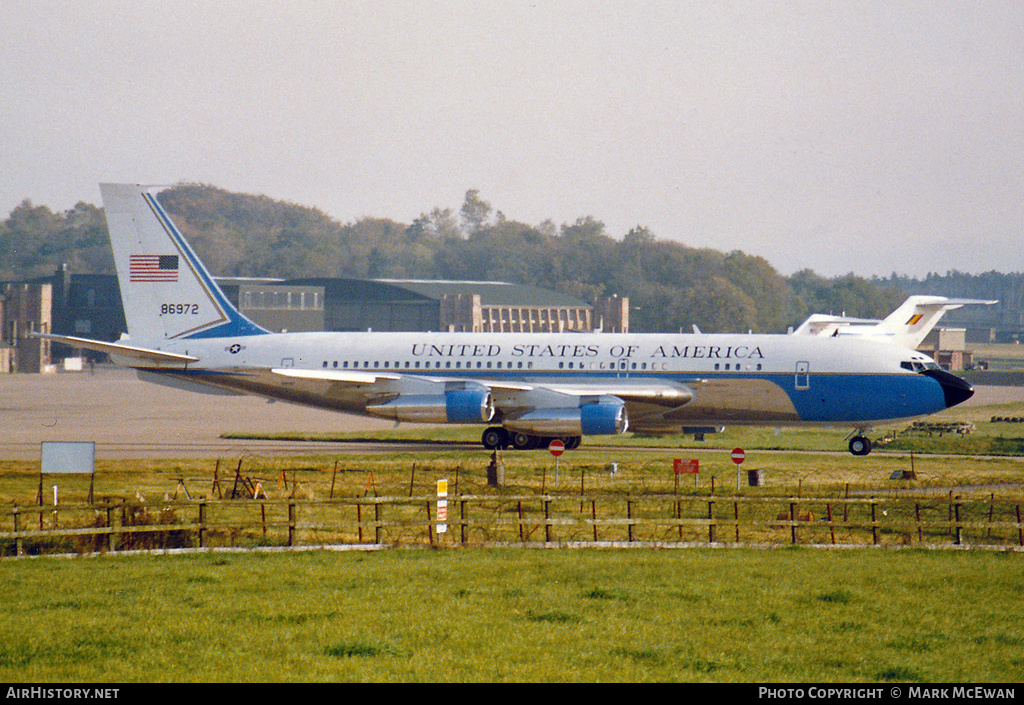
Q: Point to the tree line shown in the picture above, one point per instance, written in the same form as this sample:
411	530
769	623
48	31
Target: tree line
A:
671	286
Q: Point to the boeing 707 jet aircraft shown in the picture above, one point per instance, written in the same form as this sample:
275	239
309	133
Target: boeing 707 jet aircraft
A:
523	388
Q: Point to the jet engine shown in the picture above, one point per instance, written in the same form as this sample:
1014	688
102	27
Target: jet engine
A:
601	418
454	406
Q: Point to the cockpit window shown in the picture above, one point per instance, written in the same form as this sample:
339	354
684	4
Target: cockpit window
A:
915	366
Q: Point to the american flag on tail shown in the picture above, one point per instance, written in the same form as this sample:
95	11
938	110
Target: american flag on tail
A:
153	268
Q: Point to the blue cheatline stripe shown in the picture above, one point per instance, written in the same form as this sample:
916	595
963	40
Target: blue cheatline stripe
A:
237	324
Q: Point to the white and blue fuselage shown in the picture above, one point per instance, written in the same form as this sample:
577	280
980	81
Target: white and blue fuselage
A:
525	388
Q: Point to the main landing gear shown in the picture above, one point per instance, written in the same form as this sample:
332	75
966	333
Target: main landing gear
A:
860	445
497	438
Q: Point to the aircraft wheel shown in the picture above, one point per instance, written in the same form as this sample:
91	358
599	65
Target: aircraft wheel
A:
494	438
572	442
521	441
860	445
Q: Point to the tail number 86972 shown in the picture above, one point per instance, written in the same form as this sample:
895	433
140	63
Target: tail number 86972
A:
179	309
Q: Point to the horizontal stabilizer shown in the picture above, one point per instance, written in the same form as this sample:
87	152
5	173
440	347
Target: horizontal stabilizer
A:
130	352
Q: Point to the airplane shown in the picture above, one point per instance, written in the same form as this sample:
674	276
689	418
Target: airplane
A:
907	326
525	389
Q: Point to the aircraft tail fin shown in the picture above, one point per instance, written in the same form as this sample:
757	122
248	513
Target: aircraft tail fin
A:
907	326
914	319
166	291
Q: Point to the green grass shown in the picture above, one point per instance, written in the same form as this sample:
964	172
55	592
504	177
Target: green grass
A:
461	615
516	615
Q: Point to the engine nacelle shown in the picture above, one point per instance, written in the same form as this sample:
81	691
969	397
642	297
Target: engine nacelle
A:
469	405
454	406
603	418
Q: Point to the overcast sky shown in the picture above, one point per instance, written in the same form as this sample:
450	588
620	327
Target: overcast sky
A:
865	137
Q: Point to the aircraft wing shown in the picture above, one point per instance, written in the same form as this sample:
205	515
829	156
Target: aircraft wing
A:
145	356
531	404
639	390
344	377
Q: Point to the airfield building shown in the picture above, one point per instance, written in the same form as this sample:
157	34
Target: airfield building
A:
89	305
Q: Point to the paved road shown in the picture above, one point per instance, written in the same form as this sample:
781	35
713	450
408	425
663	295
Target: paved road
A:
128	418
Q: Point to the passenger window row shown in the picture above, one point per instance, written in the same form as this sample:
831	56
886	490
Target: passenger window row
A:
418	365
519	365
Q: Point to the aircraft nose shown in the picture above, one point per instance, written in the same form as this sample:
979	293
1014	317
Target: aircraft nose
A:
955	389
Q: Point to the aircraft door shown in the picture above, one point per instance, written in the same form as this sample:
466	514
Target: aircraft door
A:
803	375
623	370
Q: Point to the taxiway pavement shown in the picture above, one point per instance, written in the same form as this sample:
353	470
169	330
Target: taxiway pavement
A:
128	418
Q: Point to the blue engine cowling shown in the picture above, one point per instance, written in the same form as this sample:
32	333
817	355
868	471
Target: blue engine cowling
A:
469	405
454	406
603	419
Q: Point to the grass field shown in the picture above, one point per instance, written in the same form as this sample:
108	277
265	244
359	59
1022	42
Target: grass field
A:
541	615
513	615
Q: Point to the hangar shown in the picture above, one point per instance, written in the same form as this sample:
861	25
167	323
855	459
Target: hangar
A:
89	305
459	306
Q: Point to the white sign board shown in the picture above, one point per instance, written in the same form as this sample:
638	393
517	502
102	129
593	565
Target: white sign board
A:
442	506
69	458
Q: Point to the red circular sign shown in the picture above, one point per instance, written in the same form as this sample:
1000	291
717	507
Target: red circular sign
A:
556	447
738	456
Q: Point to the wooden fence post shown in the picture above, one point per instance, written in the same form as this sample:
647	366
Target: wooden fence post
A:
462	516
991	508
547	520
19	545
291	523
1020	529
202	524
115	534
110	527
711	521
949	517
